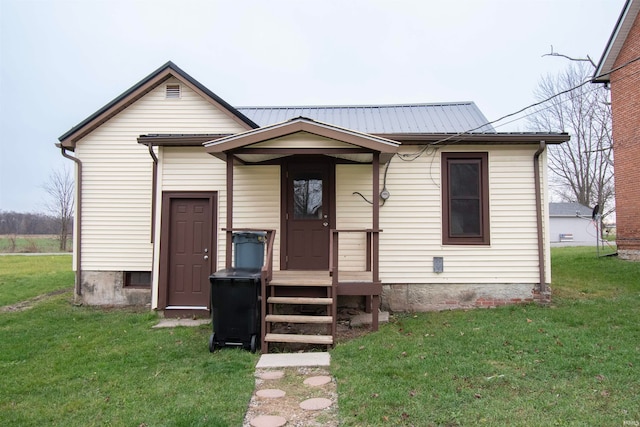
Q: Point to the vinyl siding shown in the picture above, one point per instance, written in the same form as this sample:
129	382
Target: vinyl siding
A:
411	220
117	177
353	213
256	190
257	201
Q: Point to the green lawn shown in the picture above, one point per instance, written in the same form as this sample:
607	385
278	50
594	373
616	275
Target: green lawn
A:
23	277
573	363
31	244
66	365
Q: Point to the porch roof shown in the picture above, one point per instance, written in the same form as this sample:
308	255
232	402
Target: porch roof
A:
252	146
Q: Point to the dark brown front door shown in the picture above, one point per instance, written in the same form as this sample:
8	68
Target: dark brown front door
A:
189	250
309	214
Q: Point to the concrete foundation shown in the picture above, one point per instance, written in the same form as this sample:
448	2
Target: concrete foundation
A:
107	288
435	297
629	254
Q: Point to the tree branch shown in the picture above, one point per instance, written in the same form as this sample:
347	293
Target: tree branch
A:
587	59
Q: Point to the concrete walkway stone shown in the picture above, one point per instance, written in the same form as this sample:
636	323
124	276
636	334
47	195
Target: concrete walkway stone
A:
271	393
315	404
268	421
172	323
282	360
318	381
271	375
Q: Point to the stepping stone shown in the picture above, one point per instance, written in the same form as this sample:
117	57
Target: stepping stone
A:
270	393
271	375
283	360
315	404
318	381
268	421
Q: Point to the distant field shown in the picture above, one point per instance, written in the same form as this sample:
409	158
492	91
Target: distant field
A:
36	243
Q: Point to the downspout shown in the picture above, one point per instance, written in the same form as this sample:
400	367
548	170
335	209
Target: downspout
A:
542	286
78	219
154	187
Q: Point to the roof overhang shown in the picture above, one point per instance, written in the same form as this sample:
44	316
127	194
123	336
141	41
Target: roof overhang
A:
253	146
503	138
179	140
616	41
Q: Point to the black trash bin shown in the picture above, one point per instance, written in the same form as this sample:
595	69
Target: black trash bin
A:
235	308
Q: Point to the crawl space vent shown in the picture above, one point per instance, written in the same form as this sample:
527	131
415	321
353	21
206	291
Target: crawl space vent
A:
173	91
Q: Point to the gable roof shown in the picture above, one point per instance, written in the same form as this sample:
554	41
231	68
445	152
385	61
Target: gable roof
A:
441	118
69	139
616	41
358	142
569	210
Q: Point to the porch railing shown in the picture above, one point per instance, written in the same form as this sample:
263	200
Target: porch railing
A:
367	284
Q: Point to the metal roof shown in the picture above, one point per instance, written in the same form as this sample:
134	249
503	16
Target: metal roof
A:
569	209
451	117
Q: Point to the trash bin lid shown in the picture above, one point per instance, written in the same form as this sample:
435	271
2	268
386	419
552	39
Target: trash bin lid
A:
242	273
251	236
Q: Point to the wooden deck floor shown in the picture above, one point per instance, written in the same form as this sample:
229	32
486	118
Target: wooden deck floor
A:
316	278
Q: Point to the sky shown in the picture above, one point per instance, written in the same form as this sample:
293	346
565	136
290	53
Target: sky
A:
62	60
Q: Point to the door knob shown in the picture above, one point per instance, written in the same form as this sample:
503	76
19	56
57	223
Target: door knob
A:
206	257
325	223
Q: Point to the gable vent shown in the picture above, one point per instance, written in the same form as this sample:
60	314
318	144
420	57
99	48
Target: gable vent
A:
172	91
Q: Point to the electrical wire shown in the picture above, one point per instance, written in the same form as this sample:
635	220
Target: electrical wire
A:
416	155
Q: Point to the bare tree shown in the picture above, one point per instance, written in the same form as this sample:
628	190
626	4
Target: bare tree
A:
61	201
582	168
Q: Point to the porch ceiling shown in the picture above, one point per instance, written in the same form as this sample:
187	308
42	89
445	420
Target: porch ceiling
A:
302	136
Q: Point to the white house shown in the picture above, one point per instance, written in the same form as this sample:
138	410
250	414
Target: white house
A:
414	207
571	224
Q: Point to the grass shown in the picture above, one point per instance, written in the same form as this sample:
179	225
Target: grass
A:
24	277
31	244
574	363
69	365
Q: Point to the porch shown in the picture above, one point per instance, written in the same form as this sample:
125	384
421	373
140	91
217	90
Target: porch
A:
316	290
309	276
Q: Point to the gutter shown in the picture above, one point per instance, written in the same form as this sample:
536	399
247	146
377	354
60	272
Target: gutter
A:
542	286
78	219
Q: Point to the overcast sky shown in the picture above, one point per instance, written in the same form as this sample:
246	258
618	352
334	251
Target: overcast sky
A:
62	60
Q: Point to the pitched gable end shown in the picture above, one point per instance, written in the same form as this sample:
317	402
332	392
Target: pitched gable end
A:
153	80
618	37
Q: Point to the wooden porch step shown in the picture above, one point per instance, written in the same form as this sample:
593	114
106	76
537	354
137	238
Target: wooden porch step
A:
290	318
299	300
302	283
301	339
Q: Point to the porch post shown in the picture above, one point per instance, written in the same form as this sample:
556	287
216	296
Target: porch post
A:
376	215
375	299
229	234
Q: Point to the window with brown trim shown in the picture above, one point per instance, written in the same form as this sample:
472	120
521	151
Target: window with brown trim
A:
465	199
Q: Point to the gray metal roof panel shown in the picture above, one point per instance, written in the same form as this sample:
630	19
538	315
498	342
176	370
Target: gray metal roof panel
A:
569	209
382	119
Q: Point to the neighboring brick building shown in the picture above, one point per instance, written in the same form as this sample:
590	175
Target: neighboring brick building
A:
620	68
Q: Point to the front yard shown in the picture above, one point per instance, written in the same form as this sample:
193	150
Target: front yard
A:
573	363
